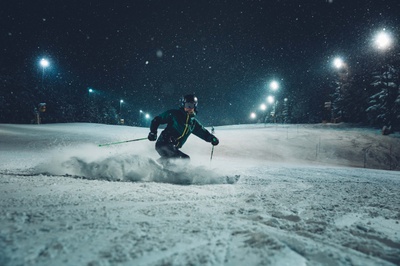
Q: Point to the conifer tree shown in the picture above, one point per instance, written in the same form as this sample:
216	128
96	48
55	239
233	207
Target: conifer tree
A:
383	103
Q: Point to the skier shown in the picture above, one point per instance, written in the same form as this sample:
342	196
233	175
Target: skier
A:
180	124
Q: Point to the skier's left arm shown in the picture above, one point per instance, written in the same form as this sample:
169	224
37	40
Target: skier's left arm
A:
204	134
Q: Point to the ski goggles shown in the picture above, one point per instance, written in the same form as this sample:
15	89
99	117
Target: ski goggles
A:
190	105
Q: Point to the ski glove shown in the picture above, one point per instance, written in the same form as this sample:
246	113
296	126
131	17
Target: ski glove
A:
152	136
214	141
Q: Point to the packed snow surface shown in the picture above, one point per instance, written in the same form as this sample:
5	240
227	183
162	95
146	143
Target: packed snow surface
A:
307	195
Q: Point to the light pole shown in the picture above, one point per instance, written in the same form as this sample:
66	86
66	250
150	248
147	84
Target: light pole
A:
263	108
120	106
338	63
44	63
42	106
147	117
271	100
274	85
285	111
383	40
121	120
253	116
140	117
336	107
342	67
90	106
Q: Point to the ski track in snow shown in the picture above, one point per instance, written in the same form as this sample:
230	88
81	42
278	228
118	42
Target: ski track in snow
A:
276	214
260	220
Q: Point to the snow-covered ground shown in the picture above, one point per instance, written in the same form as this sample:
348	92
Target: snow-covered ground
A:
307	195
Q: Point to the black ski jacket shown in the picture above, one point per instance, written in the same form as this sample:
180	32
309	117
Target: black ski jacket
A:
179	126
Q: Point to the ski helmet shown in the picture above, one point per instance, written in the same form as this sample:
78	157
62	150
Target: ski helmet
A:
189	101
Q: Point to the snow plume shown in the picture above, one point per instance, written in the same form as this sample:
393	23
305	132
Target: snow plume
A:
112	165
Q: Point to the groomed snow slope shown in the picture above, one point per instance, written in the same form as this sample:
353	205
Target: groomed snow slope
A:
303	197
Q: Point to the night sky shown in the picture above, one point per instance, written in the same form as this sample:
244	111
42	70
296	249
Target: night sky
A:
149	53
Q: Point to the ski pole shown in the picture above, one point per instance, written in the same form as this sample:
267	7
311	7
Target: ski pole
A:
119	142
212	150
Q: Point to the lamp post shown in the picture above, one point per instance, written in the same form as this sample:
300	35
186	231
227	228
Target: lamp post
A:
338	63
44	63
383	40
285	111
263	108
90	106
337	107
274	85
271	100
42	106
120	106
253	116
121	120
147	117
342	67
140	117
